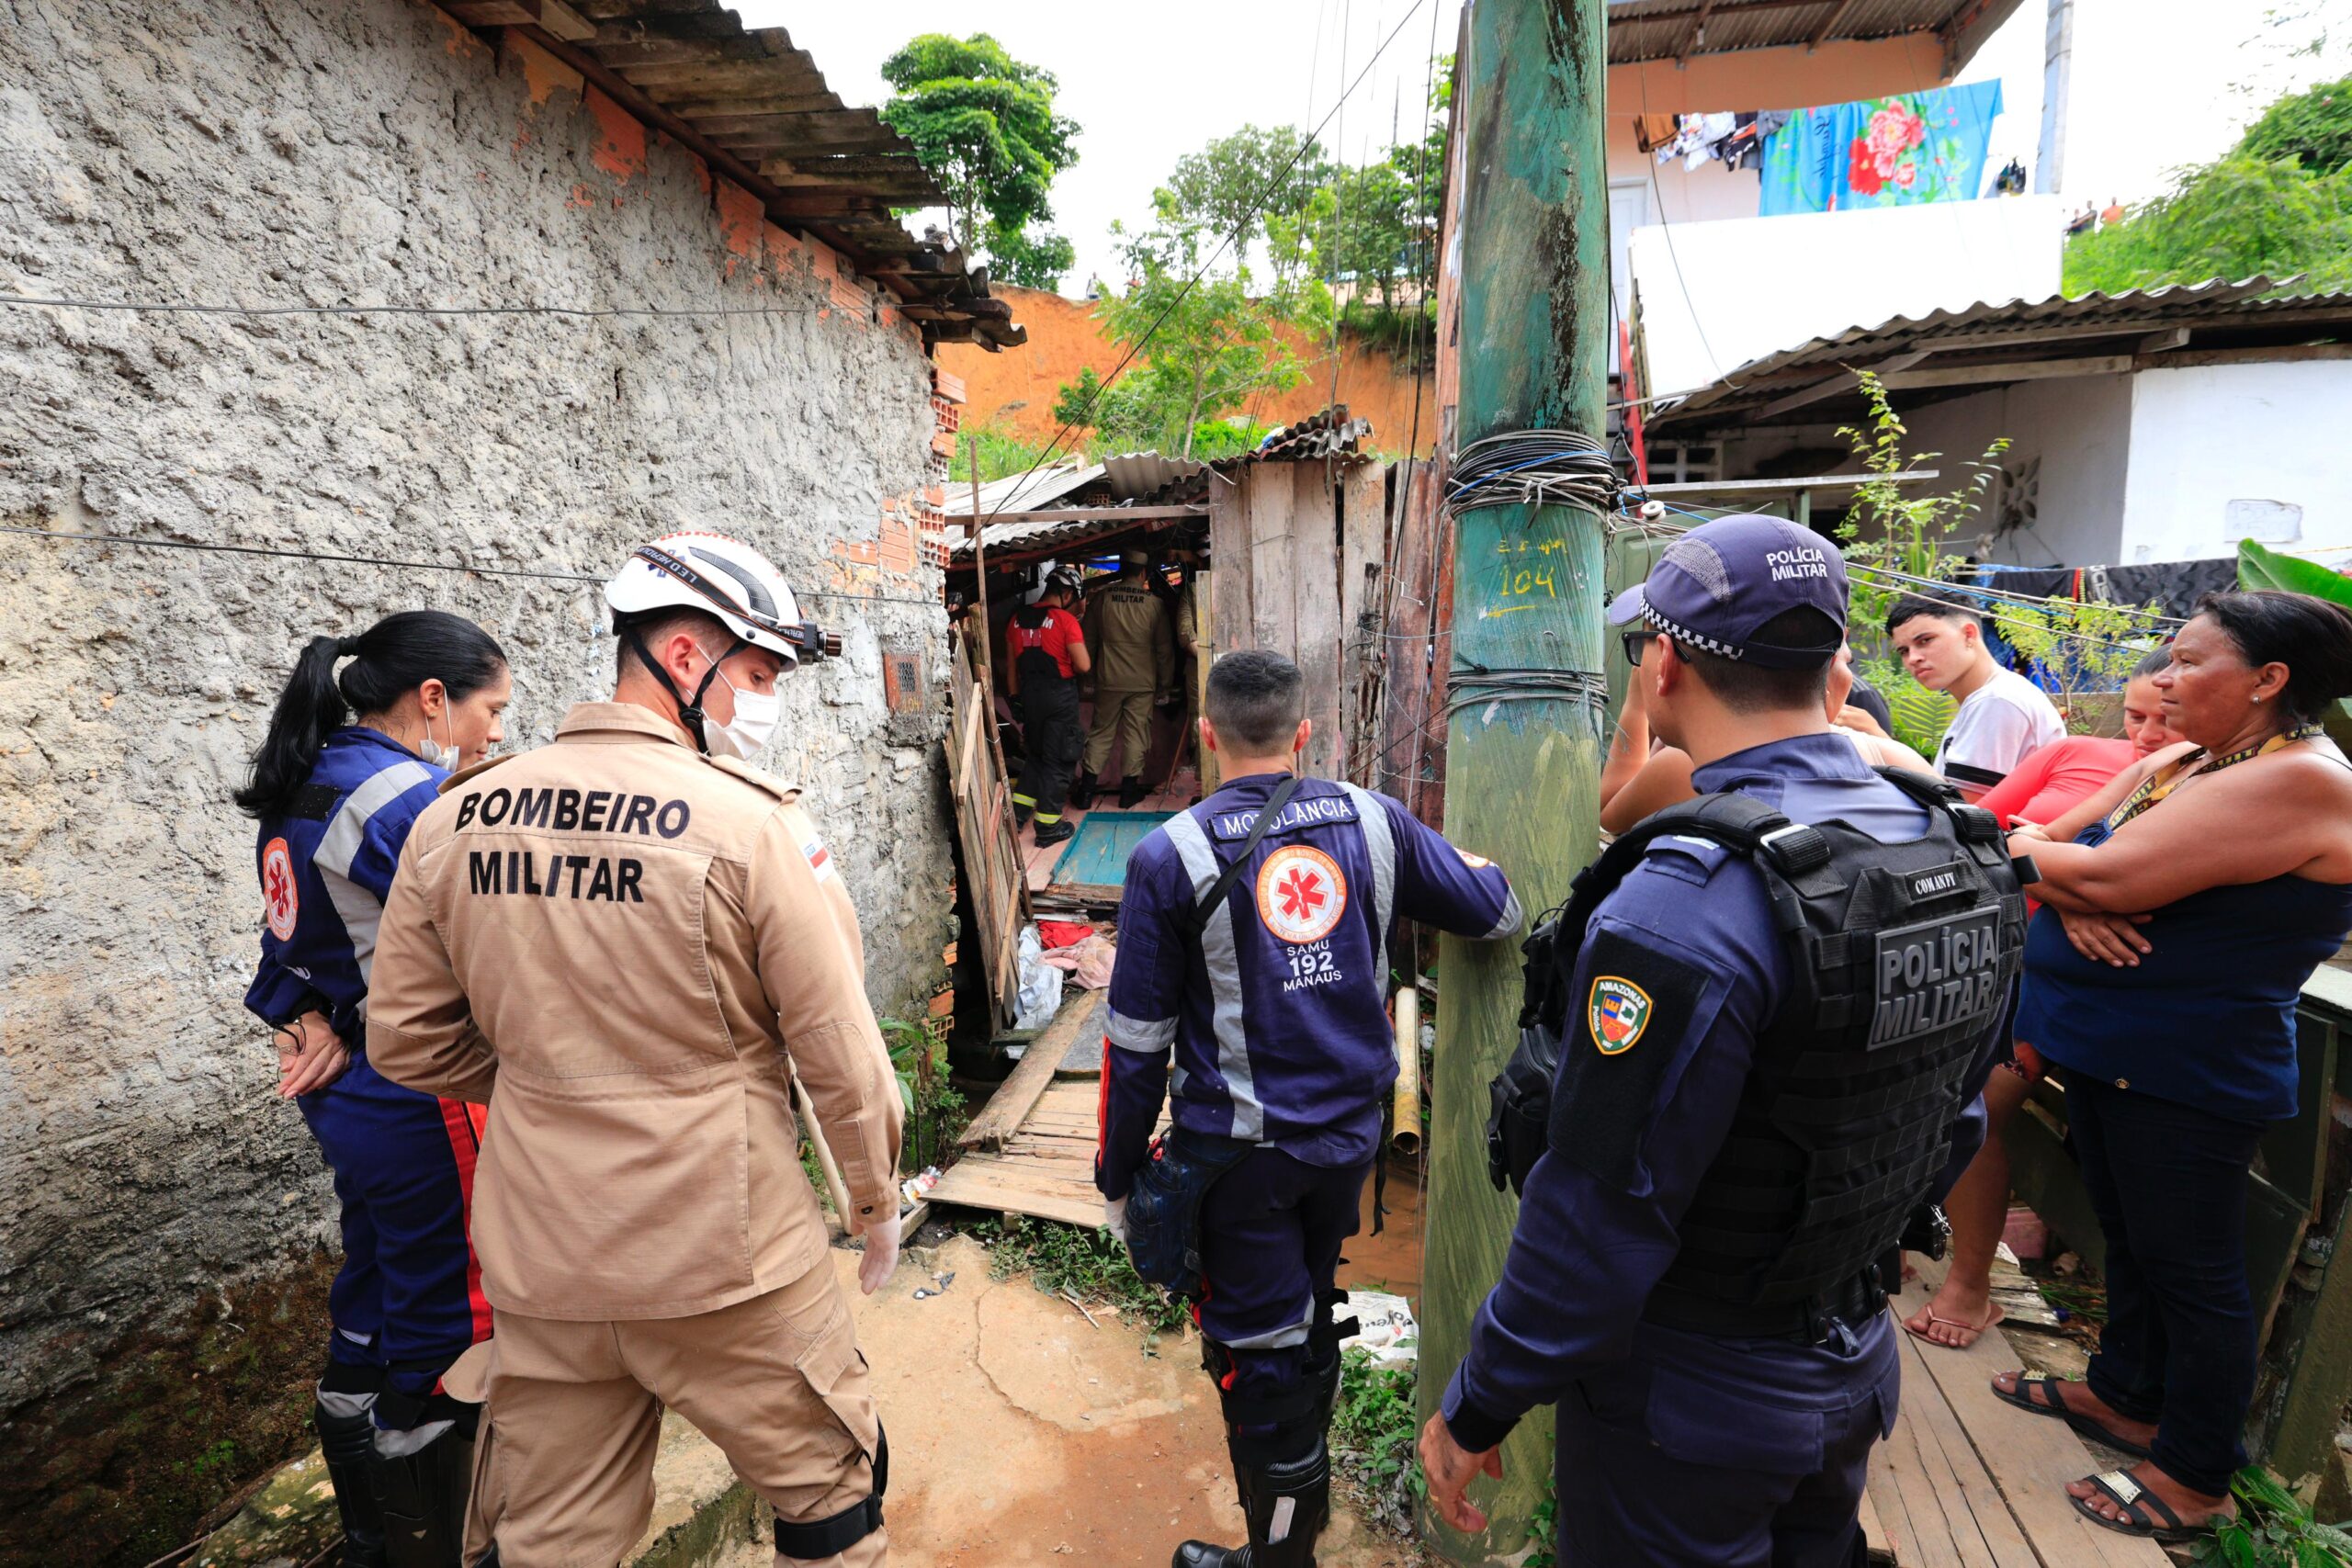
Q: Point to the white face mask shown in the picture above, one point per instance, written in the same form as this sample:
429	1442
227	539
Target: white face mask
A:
440	756
756	716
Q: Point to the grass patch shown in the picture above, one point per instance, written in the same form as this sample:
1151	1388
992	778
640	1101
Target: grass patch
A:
1089	1264
1372	1437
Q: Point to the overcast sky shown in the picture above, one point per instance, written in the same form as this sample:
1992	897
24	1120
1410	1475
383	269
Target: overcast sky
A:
2157	83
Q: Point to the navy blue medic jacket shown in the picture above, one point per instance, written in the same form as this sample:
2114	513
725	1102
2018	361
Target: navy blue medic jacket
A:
1276	1016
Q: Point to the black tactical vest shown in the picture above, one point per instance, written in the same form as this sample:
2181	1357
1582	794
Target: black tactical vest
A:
1901	958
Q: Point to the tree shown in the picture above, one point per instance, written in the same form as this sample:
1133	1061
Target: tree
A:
1205	346
2278	203
1231	187
983	123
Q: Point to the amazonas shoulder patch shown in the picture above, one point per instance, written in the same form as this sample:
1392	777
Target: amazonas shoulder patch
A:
1617	1011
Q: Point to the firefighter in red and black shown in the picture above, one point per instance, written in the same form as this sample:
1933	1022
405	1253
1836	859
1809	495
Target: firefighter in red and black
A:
1044	655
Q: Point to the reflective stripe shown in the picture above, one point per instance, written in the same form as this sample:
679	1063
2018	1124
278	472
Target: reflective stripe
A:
1220	955
340	1402
1294	1334
1509	925
1153	1035
1380	847
339	846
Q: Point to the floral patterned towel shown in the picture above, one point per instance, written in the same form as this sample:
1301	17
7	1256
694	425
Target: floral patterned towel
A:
1893	151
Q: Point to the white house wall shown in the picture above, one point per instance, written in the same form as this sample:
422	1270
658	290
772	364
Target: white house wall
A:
2206	437
2071	440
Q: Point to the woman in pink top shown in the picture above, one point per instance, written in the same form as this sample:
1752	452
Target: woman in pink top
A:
2040	789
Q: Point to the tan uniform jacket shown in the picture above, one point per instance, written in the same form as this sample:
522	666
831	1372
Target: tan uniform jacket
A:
634	945
1128	628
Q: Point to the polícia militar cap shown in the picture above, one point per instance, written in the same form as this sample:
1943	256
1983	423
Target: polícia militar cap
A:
1715	586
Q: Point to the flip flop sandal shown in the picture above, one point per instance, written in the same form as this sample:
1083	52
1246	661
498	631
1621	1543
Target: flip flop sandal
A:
1974	1331
2141	1509
2084	1426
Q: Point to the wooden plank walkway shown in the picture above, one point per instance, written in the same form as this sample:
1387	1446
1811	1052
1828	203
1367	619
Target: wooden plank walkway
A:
1969	1481
1046	1168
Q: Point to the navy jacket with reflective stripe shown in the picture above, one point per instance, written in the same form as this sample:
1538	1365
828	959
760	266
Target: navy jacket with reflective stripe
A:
1276	1017
325	871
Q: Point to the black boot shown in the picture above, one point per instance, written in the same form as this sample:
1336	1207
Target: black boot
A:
1287	1504
1081	793
424	1495
1054	832
1131	790
348	1441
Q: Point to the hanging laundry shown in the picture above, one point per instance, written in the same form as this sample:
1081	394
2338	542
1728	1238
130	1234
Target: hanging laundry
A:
1894	152
2010	181
1652	131
1744	151
1713	135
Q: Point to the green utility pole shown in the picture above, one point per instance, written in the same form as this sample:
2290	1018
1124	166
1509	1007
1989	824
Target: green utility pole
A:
1523	776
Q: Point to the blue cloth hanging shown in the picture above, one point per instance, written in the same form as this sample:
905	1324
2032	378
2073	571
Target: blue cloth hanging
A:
1893	151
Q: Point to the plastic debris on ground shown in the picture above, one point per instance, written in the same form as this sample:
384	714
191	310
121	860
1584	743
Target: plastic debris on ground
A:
1040	996
1386	1327
913	1187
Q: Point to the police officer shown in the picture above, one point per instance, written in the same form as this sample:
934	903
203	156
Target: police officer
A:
1253	944
1130	625
1044	654
351	758
640	942
1771	1025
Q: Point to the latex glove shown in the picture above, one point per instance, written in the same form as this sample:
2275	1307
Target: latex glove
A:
1114	1218
881	1258
310	1055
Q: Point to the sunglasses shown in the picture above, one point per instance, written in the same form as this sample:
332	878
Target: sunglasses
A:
1635	642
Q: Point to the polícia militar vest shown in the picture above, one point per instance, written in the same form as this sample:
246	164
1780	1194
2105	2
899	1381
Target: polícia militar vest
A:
1036	665
1901	957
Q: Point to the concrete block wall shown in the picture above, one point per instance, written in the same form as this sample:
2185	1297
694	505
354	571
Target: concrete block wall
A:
335	151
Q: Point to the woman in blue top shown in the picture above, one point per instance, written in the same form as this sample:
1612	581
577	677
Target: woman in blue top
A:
2227	862
335	797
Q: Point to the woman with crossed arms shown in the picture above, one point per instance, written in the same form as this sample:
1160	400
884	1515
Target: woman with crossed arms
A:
2226	863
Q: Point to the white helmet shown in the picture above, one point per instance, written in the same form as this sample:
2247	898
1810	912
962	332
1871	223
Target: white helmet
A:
723	578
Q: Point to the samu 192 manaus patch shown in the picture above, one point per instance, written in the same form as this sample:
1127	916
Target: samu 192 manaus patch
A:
1618	1012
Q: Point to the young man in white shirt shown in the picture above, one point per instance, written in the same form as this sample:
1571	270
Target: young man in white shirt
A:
2002	719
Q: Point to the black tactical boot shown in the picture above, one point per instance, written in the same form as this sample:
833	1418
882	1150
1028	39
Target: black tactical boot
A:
424	1495
1081	793
1054	832
348	1442
1131	790
1287	1504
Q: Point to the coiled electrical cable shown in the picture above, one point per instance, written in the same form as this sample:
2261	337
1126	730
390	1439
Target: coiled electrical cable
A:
1534	467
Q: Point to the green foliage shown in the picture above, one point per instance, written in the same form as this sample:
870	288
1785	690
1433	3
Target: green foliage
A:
2262	567
1207	346
2236	217
2313	127
1063	1260
1543	1527
1892	534
1003	453
2274	1529
935	1110
2279	203
1374	1431
1232	187
983	123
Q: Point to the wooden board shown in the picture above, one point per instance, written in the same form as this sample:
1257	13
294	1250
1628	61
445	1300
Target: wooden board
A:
1014	1099
995	883
1045	1169
1969	1482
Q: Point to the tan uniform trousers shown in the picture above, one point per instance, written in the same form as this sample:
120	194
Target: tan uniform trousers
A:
563	1477
1127	716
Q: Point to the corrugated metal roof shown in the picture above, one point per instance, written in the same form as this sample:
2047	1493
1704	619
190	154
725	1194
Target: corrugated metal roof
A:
1133	474
1131	479
1328	433
757	110
1022	491
1667	30
2247	313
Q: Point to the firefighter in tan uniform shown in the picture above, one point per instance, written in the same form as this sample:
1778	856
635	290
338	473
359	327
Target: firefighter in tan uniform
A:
1134	667
627	943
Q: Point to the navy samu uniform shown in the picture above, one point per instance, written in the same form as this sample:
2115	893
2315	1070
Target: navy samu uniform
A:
1283	1057
408	1299
1695	1428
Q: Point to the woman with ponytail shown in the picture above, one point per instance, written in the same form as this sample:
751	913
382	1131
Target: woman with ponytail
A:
366	731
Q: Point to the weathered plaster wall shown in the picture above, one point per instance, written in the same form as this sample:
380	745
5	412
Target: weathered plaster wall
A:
324	152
